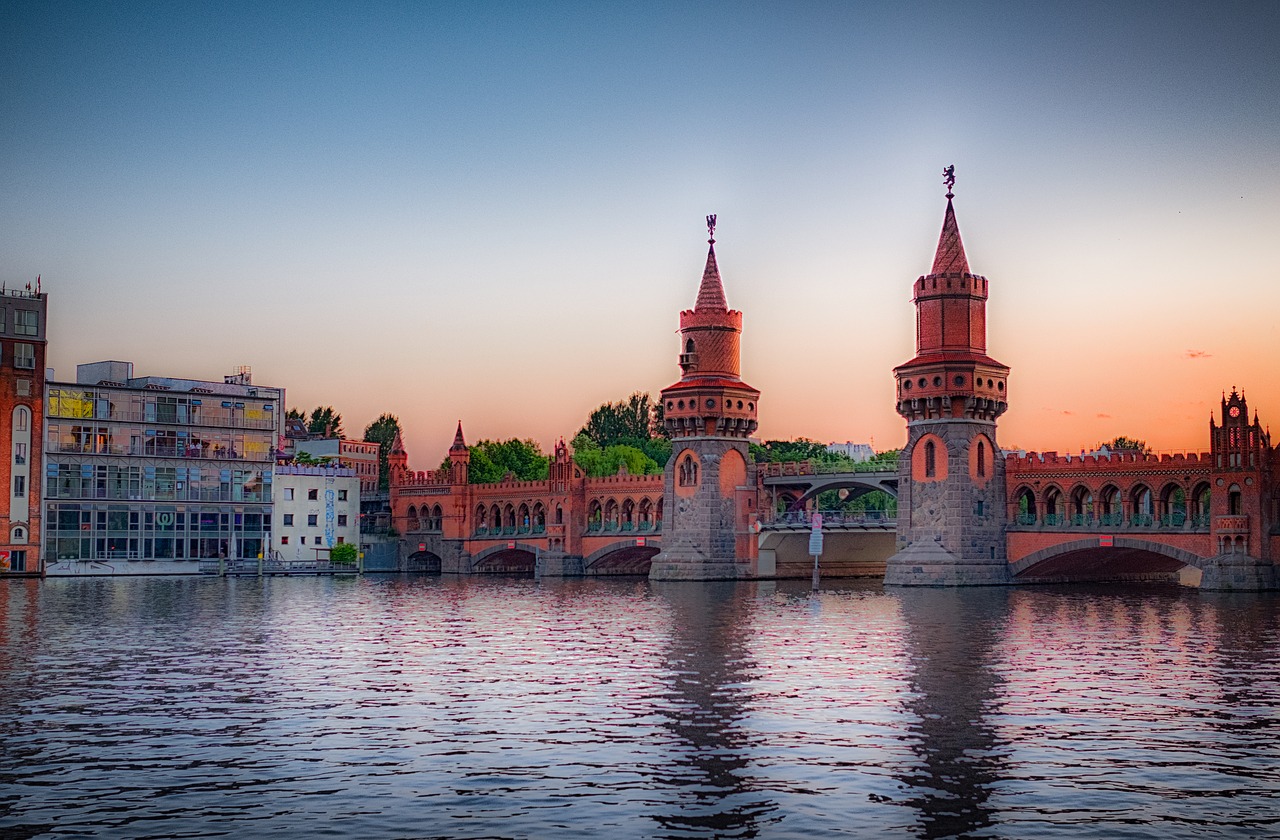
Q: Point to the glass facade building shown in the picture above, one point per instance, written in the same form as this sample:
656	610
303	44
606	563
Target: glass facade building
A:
157	468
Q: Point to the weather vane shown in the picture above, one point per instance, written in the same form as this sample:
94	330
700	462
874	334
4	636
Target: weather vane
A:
949	179
711	226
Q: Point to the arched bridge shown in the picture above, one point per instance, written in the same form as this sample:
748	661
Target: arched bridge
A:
789	486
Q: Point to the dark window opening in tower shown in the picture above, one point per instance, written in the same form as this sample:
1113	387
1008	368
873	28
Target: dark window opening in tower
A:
982	459
930	460
688	472
1233	500
688	346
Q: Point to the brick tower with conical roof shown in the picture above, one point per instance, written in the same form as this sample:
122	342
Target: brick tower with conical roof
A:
951	489
709	497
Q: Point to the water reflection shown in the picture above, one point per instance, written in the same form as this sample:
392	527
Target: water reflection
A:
706	674
951	636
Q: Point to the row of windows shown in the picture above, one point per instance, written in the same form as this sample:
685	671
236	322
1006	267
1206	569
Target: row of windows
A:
313	494
209	410
316	540
159	443
313	520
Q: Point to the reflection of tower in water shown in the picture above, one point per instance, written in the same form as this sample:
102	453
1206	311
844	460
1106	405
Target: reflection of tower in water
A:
951	639
703	787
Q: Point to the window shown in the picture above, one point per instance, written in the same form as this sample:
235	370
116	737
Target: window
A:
19	453
288	494
342	520
982	459
288	520
26	322
342	495
930	459
304	540
20	415
311	519
24	356
284	540
19	485
313	494
341	540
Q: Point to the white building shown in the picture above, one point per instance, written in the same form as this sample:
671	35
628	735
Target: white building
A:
857	451
359	455
315	508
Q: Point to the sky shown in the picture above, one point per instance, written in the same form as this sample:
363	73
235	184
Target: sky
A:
493	212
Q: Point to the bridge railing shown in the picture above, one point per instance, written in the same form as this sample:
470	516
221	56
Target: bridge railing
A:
1177	520
833	518
774	469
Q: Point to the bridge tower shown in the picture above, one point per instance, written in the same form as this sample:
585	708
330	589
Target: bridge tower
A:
709	492
951	489
1242	500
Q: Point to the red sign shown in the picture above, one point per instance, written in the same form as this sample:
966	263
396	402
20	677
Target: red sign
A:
422	546
639	540
511	545
1106	542
817	522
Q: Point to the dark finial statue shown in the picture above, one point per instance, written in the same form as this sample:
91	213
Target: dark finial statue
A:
711	226
949	179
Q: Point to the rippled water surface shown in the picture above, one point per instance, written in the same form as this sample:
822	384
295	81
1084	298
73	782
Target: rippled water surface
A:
429	707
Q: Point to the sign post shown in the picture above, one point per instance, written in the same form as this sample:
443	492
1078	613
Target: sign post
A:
815	546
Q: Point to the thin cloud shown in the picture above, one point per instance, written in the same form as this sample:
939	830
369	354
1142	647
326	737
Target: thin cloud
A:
1198	354
1104	416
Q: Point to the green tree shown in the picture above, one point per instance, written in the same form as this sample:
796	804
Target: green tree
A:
1127	444
325	421
635	418
345	553
492	460
383	432
306	459
597	462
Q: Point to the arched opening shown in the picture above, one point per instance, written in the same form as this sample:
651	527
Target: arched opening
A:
539	518
509	519
482	519
1200	506
595	516
930	459
437	519
628	515
495	520
688	472
524	523
424	562
611	515
982	459
1141	503
413	523
646	514
688	346
1235	505
1109	507
559	515
1053	506
1081	506
1026	507
1173	506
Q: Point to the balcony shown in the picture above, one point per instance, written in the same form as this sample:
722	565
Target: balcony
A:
1236	523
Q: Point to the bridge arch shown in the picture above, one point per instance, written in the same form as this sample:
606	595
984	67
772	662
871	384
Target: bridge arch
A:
1086	559
423	561
623	557
506	558
856	486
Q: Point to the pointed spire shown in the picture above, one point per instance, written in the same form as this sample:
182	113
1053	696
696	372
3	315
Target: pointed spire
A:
950	257
459	442
397	445
711	292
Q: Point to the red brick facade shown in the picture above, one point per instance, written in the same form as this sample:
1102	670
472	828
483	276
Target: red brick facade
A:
22	386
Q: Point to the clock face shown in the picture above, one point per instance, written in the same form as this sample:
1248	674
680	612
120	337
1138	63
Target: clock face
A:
1235	411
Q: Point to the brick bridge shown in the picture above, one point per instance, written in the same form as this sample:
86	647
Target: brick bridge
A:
967	513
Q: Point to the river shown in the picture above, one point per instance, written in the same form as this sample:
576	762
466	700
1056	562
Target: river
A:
423	707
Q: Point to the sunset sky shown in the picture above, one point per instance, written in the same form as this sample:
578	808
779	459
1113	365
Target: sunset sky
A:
493	212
